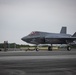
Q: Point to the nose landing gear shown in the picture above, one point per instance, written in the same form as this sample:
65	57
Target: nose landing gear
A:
36	48
68	48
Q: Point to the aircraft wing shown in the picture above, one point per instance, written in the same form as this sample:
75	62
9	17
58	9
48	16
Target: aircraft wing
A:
62	39
67	38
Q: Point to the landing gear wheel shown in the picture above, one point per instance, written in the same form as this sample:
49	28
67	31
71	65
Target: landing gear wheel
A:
49	48
68	48
36	49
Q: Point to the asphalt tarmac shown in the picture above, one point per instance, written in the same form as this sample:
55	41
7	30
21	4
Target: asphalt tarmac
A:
38	63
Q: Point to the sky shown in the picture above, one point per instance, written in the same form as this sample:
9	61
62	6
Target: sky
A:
20	17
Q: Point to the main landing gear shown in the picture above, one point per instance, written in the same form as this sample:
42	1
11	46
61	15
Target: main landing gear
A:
50	48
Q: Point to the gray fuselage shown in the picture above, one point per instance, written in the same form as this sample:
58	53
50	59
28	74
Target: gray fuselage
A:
38	37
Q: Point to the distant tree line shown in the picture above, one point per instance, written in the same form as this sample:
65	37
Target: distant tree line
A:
12	45
1	45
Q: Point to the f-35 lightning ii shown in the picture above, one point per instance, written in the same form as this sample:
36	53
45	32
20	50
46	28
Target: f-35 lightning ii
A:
38	37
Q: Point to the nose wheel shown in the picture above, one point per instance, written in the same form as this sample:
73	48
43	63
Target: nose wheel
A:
36	48
68	48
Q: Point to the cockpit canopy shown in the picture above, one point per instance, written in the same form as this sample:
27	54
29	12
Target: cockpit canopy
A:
34	33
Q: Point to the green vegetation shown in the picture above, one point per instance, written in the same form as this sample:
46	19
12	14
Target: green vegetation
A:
10	45
1	45
14	45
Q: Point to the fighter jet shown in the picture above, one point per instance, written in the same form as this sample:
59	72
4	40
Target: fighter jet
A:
38	37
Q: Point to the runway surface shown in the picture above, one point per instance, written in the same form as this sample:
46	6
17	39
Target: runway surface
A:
38	63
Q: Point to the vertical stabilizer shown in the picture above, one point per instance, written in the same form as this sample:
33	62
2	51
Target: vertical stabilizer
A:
63	30
74	35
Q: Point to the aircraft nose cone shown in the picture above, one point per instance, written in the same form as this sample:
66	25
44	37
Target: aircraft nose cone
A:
26	39
23	38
